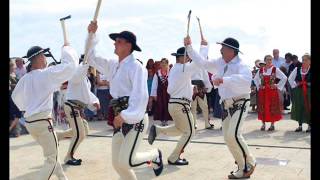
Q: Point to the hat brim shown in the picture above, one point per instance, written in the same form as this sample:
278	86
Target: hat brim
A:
176	54
37	53
114	36
224	44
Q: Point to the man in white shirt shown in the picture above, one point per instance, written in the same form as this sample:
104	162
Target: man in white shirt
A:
34	95
180	90
277	61
199	96
78	97
128	88
233	81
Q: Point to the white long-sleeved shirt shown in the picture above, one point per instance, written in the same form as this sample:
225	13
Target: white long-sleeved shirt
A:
179	82
203	74
279	74
126	78
236	79
34	91
293	76
79	87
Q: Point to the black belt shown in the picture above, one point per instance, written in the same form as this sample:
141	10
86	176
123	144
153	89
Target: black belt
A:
76	103
184	99
233	108
127	127
38	120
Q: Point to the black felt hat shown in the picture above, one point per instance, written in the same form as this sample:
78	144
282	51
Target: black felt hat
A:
232	43
36	50
129	36
180	52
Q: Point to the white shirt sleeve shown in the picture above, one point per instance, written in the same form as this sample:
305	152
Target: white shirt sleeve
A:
206	80
93	98
240	81
138	99
154	86
257	80
209	65
282	77
17	96
101	64
292	78
60	73
80	74
204	51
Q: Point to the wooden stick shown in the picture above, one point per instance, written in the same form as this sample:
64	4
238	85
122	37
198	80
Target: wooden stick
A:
200	28
88	44
185	50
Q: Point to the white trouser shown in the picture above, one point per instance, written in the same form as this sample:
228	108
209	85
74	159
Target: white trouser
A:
183	126
124	152
42	131
78	130
232	132
203	104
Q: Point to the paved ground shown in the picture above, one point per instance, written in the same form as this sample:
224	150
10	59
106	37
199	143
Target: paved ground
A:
281	154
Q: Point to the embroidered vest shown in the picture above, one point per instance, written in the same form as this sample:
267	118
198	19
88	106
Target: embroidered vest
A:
299	75
272	78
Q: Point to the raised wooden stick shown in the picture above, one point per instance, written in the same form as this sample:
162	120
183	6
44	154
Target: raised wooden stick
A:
185	50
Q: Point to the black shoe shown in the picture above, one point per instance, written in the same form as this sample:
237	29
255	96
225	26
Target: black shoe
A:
232	176
73	162
250	169
80	160
271	128
179	162
152	134
157	171
299	129
263	127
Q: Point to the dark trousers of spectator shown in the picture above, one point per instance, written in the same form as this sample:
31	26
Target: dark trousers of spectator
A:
103	96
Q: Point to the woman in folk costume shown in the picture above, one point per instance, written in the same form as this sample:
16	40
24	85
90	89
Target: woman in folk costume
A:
300	82
160	94
269	104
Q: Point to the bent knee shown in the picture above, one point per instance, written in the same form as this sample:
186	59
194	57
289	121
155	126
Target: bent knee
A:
229	138
124	163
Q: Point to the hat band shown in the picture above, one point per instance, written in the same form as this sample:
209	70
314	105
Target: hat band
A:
35	54
231	46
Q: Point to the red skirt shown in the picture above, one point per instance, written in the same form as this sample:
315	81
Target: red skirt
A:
269	105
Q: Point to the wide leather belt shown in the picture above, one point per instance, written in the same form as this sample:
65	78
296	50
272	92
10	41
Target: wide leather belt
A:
37	120
184	99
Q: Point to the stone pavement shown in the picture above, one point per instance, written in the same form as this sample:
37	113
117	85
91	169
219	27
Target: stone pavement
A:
282	154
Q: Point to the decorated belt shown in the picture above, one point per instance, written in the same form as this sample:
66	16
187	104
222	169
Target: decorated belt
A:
76	103
232	108
127	127
47	119
184	99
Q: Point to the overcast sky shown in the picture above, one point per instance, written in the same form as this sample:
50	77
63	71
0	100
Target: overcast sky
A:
161	25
